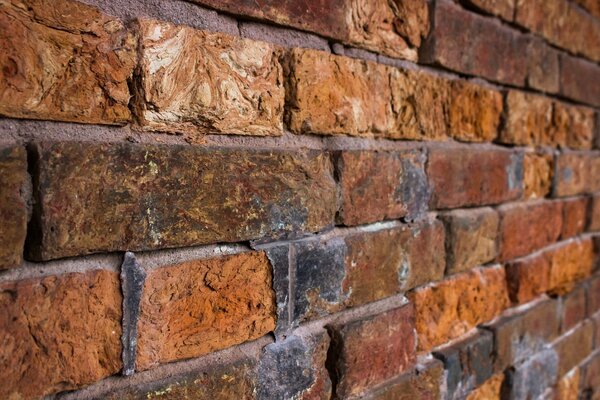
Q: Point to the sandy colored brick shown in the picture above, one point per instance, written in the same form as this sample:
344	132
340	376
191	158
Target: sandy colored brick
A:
574	217
528	278
448	309
594	214
64	61
537	175
59	333
489	390
200	306
14	198
572	174
578	124
567	387
196	82
570	263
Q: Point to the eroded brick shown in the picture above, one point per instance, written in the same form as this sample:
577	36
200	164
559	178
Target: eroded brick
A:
574	217
489	390
570	263
529	120
528	278
567	387
571	174
537	174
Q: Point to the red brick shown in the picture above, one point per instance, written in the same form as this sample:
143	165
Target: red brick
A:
528	278
592	6
373	350
593	301
381	185
574	217
525	227
594	214
573	308
570	263
572	174
578	122
105	197
590	375
471	177
471	238
502	8
567	387
538	169
466	42
65	61
448	309
200	306
574	347
543	72
59	332
14	183
580	80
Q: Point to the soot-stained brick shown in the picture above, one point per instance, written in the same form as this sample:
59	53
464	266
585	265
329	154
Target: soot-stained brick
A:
279	258
532	378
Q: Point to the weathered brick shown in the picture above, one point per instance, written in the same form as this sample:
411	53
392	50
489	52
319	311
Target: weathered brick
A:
13	205
489	390
501	8
574	217
468	364
199	306
468	177
570	263
474	112
537	174
533	377
590	376
592	6
424	382
279	257
574	347
571	174
103	197
526	227
372	350
394	29
578	122
528	278
471	238
295	369
241	82
567	387
466	42
65	61
381	185
448	309
520	335
594	214
579	79
596	321
543	72
593	301
59	332
573	308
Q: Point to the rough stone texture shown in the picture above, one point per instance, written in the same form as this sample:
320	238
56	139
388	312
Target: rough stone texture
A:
372	350
425	382
59	333
295	369
543	72
195	82
64	61
592	6
574	347
471	177
578	123
571	174
450	308
501	8
279	257
570	263
567	387
468	364
525	228
528	278
474	112
574	308
579	79
381	185
519	336
594	214
393	28
466	42
489	390
593	302
471	238
574	217
537	174
103	197
532	378
200	306
14	200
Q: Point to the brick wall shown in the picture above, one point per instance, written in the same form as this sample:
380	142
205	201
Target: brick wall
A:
299	199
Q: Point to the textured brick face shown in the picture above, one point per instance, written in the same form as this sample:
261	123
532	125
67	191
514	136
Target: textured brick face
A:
572	174
530	121
575	77
145	196
201	306
13	205
193	82
64	61
59	333
570	263
574	217
528	278
537	175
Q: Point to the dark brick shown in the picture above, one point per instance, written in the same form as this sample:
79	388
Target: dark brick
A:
468	363
593	302
590	376
580	80
105	197
573	308
574	347
381	185
370	351
295	369
532	378
594	214
466	42
468	177
13	205
574	217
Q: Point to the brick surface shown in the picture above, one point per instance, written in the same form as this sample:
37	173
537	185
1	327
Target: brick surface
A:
295	369
241	90
13	205
574	347
574	217
59	332
66	62
526	227
502	8
579	80
489	390
103	197
543	72
592	6
593	302
578	123
538	169
466	42
468	177
569	264
532	378
373	350
448	309
381	185
574	308
567	387
196	307
594	214
590	376
572	174
471	238
528	278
